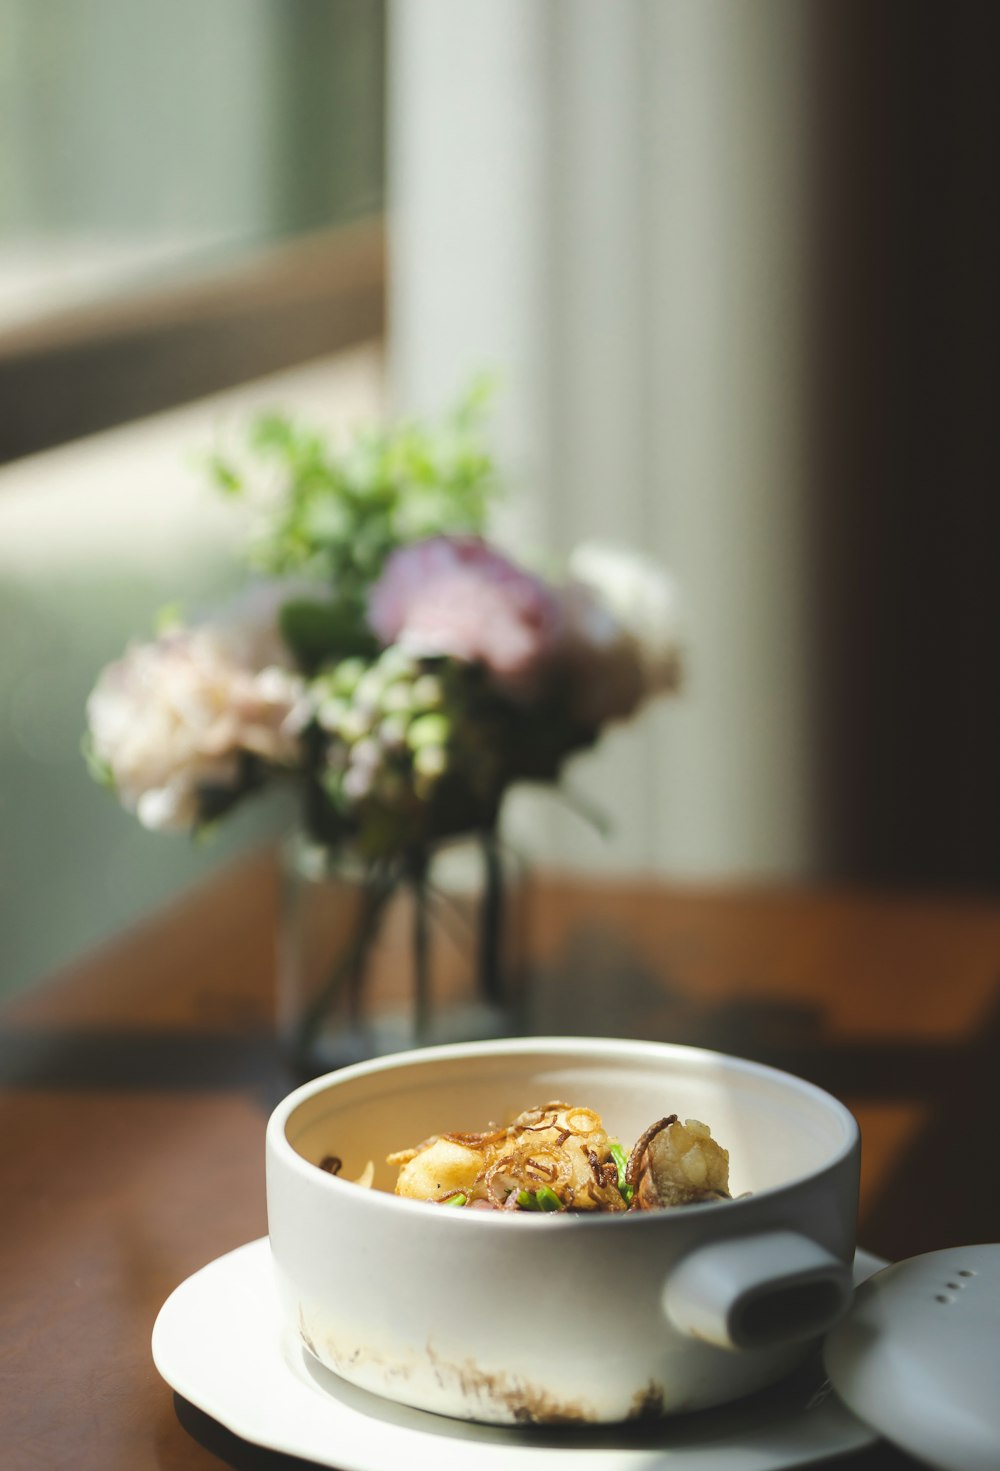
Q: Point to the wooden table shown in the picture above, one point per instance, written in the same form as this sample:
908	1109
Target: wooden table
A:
136	1086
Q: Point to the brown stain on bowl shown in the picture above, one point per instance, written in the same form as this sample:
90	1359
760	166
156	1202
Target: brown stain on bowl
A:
648	1404
518	1402
490	1395
343	1358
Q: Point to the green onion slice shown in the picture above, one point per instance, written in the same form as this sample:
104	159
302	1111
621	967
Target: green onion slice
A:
621	1161
542	1199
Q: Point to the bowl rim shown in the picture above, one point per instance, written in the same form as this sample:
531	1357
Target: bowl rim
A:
280	1147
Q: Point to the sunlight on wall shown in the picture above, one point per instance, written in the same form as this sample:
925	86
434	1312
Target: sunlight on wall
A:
95	537
625	251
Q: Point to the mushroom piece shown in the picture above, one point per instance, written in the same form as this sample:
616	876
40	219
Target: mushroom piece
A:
333	1165
676	1163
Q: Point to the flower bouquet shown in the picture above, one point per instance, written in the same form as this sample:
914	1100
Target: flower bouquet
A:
402	674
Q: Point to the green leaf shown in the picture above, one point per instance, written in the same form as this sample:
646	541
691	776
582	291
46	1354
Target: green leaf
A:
168	618
476	399
332	783
339	511
319	633
224	476
273	431
96	765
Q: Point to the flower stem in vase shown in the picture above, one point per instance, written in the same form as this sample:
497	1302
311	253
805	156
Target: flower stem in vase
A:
350	972
491	921
421	949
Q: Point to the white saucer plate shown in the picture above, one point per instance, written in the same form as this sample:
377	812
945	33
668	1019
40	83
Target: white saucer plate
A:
219	1342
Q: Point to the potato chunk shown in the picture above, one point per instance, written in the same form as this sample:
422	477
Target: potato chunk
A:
438	1169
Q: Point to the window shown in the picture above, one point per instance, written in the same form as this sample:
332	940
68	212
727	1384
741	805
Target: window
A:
190	198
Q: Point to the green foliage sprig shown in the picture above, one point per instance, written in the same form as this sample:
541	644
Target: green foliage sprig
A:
337	515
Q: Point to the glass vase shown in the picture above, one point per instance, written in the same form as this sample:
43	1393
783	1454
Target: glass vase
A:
380	959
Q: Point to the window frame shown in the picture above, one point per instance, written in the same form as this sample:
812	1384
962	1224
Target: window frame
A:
107	363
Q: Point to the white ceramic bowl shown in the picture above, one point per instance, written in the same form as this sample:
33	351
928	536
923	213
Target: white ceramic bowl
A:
516	1317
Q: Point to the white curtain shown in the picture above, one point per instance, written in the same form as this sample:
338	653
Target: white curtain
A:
602	203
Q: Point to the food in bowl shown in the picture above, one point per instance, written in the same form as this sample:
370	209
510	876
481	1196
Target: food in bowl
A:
559	1157
426	1304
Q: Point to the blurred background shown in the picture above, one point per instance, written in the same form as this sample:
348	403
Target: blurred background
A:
736	270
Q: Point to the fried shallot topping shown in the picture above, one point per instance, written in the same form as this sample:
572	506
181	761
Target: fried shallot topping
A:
554	1157
558	1157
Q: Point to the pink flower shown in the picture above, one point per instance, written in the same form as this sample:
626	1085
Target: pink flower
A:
176	715
456	595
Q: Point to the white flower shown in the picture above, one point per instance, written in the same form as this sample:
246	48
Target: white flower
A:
642	599
179	714
605	674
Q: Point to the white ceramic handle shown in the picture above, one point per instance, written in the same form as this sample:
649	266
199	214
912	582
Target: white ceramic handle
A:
757	1291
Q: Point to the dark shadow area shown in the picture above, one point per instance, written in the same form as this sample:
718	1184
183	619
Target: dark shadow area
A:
196	1062
229	1448
903	504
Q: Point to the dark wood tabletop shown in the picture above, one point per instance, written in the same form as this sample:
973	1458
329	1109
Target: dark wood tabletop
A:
136	1086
